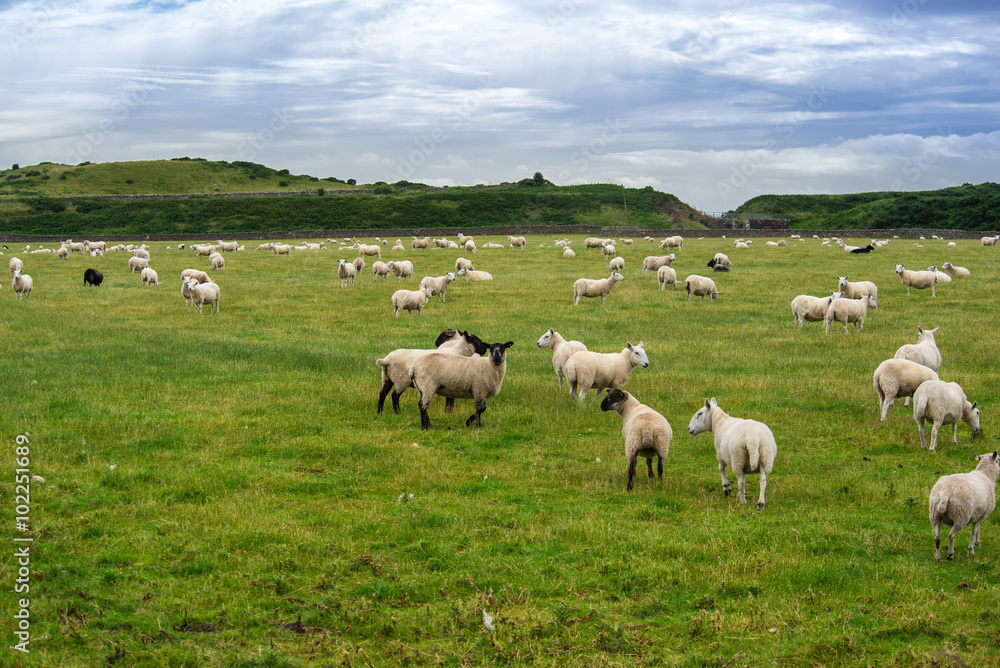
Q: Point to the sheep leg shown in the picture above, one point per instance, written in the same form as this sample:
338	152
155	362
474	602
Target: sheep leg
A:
954	432
649	466
951	540
934	435
725	481
449	405
631	472
923	434
425	420
906	401
480	407
659	467
395	400
763	486
741	477
937	539
383	393
975	530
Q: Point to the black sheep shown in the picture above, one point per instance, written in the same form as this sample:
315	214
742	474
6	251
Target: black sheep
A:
93	277
867	249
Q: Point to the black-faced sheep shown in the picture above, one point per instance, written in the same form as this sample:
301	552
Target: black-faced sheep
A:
476	378
647	434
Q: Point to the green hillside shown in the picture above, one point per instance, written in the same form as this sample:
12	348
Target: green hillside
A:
966	207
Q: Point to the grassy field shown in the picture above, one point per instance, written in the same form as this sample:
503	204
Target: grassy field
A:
219	491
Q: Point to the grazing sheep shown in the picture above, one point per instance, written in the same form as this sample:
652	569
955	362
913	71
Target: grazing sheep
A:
473	275
924	351
441	243
264	246
745	446
141	252
218	262
849	310
921	280
955	271
281	249
201	249
591	287
943	403
665	275
359	264
616	264
700	286
673	242
856	289
586	370
380	268
227	246
346	271
961	499
410	300
22	285
771	244
400	268
462	263
654	262
470	246
197	274
898	378
474	378
203	293
92	277
647	434
419	243
63	252
437	285
148	276
806	308
609	251
15	264
517	242
562	350
568	252
782	243
137	263
397	366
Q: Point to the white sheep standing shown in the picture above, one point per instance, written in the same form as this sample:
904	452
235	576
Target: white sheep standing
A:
921	280
924	351
203	293
346	272
517	242
898	378
417	244
700	286
462	263
359	264
961	499
745	446
846	311
586	370
437	285
654	262
616	264
665	275
595	287
806	308
647	434
562	350
15	264
22	285
943	403
137	263
609	251
410	300
476	378
400	268
380	268
955	271
218	262
149	277
856	289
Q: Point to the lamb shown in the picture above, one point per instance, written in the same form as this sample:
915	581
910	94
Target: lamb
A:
473	275
346	271
609	251
745	446
568	252
955	271
281	249
95	245
135	263
594	287
849	310
898	378
616	264
359	264
647	433
961	499
22	285
673	242
419	243
857	289
806	308
562	350
921	280
943	403
203	293
517	242
654	262
380	268
397	366
665	275
15	264
720	260
400	268
462	263
218	262
863	249
700	286
92	277
474	378
586	370
924	351
410	300
437	285
148	276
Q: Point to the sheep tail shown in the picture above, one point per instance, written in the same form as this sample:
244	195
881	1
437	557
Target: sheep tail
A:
942	506
920	407
382	362
753	449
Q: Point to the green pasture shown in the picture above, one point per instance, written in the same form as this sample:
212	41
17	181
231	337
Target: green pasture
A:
219	491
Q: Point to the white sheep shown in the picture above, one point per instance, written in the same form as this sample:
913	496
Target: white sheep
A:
346	272
700	286
227	246
490	244
745	446
137	263
470	246
846	311
366	249
720	262
398	247
806	308
198	275
264	246
856	289
568	252
15	264
943	403
665	275
942	277
647	434
924	351
954	271
517	242
463	238
149	277
141	252
200	249
473	275
961	499
586	370
921	280
22	285
654	262
562	350
898	378
281	249
609	251
616	264
417	244
380	268
462	263
410	300
673	242
594	287
63	252
203	293
400	268
397	366
359	264
438	284
476	378
218	262
990	241
741	244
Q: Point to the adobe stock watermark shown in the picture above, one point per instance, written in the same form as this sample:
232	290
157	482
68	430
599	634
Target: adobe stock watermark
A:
428	144
34	24
900	16
597	147
563	11
21	565
257	142
920	162
708	34
121	108
365	34
741	173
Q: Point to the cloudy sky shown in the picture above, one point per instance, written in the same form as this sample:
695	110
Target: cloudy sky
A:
715	102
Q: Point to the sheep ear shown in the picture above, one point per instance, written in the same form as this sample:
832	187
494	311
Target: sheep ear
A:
975	403
509	344
714	402
708	403
628	345
640	344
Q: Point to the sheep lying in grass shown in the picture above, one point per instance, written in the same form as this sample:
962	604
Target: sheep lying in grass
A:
346	272
700	286
921	280
437	285
961	499
720	262
924	351
586	370
942	277
856	289
473	275
954	271
654	262
475	378
943	403
410	300
898	378
149	277
400	268
849	310
667	275
745	446
806	308
22	285
562	350
647	434
203	293
397	366
591	287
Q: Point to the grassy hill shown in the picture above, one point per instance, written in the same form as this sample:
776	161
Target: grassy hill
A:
966	207
59	199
